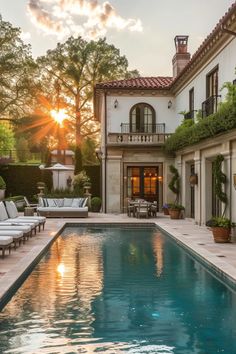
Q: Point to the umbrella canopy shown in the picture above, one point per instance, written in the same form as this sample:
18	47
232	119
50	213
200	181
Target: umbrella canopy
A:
59	167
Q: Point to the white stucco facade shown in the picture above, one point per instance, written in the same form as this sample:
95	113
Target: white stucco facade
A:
129	150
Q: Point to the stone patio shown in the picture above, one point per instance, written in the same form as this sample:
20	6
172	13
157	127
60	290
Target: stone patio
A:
220	257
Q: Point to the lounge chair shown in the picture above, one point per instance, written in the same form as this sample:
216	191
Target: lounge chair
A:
31	205
5	243
13	214
26	229
16	235
4	218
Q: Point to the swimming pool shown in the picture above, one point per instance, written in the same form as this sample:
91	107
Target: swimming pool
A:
119	290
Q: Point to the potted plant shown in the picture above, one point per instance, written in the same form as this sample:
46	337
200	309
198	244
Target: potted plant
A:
175	210
2	188
165	208
221	228
220	225
96	203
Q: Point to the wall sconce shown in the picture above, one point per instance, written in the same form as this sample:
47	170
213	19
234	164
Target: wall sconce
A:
234	180
115	104
169	104
193	179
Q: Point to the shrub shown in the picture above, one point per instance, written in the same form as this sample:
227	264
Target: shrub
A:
176	206
2	183
219	122
96	203
220	222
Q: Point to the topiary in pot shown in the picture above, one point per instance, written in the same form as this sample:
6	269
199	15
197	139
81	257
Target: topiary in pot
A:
96	203
2	188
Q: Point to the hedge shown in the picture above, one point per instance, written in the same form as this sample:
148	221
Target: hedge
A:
222	121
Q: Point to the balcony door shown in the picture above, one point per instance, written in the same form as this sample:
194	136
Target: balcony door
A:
143	183
142	118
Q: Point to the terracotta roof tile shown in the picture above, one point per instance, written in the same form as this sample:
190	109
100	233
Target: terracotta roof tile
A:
158	82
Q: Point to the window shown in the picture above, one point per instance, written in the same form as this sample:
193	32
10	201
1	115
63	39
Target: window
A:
210	105
212	83
142	119
190	113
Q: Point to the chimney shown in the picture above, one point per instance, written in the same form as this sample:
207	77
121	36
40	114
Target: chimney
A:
181	57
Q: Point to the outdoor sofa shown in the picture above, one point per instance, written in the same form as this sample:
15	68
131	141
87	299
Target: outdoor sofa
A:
63	207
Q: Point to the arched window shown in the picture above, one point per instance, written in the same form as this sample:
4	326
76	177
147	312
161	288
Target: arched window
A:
142	118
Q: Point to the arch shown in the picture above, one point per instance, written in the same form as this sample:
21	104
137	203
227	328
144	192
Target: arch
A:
142	118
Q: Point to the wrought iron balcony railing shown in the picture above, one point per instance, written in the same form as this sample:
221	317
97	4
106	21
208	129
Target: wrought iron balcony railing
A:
189	115
210	105
145	128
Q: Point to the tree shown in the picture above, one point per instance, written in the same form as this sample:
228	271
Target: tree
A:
16	68
7	140
68	75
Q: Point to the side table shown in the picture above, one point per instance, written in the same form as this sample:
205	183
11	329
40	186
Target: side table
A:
29	211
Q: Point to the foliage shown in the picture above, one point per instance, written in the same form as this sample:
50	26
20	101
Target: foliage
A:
185	124
174	184
219	122
61	193
220	179
68	75
220	222
96	203
2	183
79	181
22	148
176	206
16	69
7	140
78	160
88	152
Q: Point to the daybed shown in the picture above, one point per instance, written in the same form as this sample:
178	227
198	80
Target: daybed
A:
63	207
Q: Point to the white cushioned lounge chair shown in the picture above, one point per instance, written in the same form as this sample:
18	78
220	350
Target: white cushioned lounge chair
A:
16	235
5	243
13	214
26	229
5	218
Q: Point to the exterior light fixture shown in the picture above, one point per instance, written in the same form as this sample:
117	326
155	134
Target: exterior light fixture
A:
193	179
115	104
98	153
169	104
234	180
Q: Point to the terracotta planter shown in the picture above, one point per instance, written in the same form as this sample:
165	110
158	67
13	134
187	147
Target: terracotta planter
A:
166	211
221	234
174	213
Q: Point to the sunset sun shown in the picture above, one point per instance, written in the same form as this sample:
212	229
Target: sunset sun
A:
59	115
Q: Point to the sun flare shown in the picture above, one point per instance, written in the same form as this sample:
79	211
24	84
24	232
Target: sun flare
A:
58	115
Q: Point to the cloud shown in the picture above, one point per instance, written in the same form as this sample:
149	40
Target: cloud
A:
25	36
87	18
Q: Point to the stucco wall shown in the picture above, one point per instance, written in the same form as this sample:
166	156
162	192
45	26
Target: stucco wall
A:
116	116
227	63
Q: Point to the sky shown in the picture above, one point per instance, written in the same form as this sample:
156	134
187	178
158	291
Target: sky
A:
143	30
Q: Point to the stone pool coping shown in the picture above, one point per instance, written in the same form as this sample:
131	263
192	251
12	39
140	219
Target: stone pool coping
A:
220	258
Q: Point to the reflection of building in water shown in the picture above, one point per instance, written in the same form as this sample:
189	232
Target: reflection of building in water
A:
157	245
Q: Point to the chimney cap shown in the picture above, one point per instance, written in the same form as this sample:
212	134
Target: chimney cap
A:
181	43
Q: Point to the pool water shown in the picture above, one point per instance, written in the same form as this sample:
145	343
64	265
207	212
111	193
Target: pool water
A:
116	290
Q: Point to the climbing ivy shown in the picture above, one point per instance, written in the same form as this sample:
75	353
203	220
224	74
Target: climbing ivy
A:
220	180
174	184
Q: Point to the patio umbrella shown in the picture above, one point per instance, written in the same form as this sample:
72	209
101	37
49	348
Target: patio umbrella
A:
59	167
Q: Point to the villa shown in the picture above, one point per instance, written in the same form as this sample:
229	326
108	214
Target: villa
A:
138	115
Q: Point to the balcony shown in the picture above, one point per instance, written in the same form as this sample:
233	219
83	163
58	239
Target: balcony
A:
189	115
210	105
152	134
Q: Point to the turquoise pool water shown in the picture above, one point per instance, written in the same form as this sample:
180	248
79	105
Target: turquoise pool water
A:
115	291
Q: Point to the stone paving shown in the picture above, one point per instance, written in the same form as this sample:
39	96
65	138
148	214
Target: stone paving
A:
222	257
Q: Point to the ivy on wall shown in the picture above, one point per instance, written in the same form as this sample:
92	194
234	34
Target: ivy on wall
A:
222	121
174	184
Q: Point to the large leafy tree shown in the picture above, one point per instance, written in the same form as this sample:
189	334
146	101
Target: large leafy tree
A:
68	75
16	67
7	140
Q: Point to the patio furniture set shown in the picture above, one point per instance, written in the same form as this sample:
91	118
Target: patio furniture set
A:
141	208
15	229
